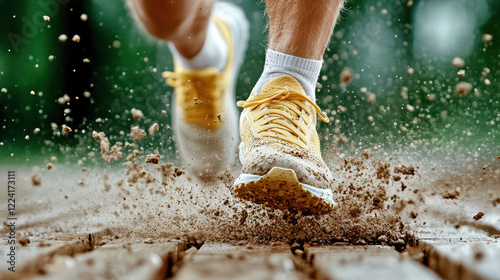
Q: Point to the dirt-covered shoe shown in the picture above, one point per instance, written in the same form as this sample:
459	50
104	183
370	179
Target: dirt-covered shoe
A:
205	118
280	150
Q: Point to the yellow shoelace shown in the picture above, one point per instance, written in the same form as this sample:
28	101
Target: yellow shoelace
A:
192	85
199	93
279	115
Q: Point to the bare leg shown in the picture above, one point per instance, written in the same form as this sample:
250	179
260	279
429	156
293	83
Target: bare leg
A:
182	22
302	27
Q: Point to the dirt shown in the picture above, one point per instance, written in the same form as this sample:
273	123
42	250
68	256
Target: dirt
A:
458	62
379	199
98	136
66	129
478	216
136	114
153	158
346	76
153	129
137	133
365	211
36	180
463	88
23	240
454	194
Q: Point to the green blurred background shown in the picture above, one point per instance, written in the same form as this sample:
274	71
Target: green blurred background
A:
378	39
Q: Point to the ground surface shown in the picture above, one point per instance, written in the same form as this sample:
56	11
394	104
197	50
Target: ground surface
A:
151	221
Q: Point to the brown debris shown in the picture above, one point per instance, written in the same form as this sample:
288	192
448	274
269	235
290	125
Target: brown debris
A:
458	62
66	129
153	158
366	154
478	216
346	76
486	38
98	136
136	114
463	88
452	195
383	171
137	133
36	180
178	172
152	129
410	170
104	146
24	240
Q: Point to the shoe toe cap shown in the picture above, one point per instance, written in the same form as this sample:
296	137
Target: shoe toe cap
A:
309	169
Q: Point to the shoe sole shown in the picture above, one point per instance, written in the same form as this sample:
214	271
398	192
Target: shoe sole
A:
280	189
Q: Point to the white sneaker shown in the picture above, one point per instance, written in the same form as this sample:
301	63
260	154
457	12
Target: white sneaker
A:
205	117
280	153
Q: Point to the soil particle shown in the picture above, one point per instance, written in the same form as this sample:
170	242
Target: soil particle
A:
463	88
152	129
458	62
24	240
413	215
136	114
486	38
153	158
403	186
346	76
76	38
295	246
478	216
495	201
63	38
98	136
382	239
383	171
479	255
49	166
137	133
452	194
36	180
366	154
410	170
178	172
66	129
372	98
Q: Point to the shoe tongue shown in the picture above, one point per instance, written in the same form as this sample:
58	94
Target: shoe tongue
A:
283	82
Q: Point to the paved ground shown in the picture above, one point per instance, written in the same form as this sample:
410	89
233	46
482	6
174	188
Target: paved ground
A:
89	225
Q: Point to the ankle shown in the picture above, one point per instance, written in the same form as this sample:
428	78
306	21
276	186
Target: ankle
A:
213	52
306	71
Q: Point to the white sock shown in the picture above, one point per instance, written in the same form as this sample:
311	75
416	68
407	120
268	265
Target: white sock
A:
306	71
212	54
